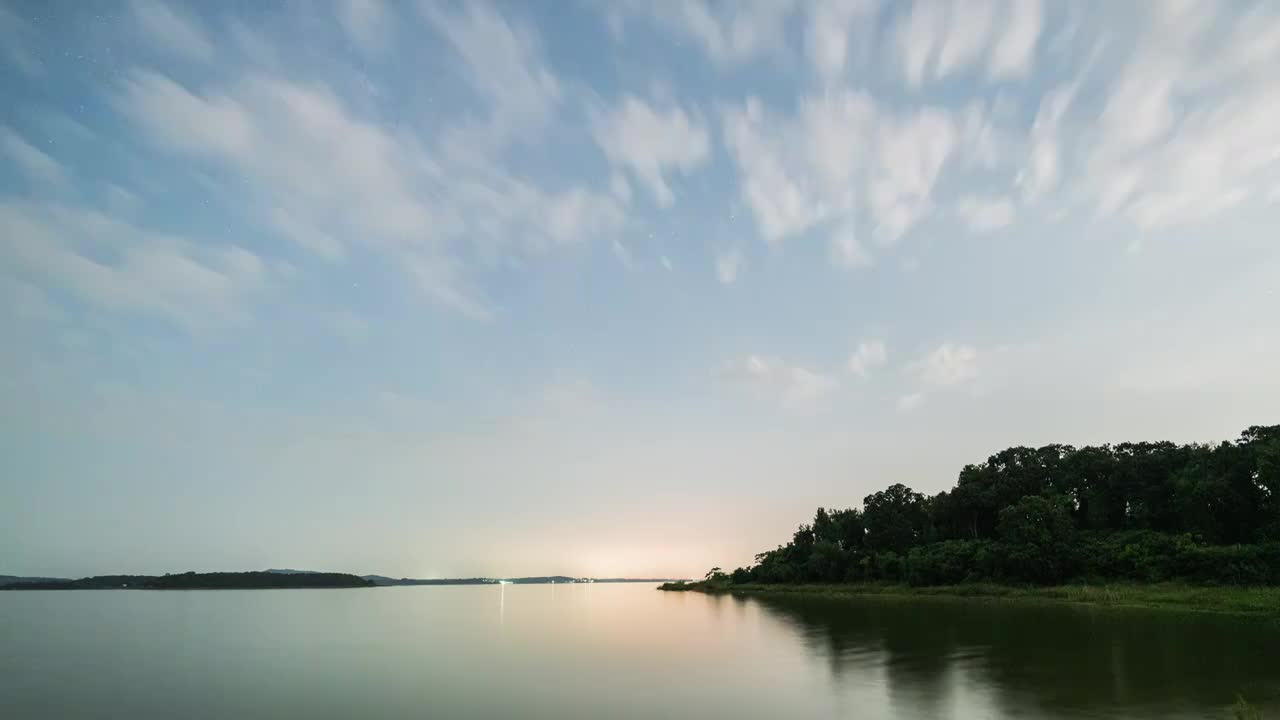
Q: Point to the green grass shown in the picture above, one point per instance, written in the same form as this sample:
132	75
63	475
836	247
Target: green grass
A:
1220	599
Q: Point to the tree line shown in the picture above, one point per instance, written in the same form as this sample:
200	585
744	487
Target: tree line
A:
199	581
1135	511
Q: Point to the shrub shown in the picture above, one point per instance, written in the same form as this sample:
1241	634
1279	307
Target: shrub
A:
946	563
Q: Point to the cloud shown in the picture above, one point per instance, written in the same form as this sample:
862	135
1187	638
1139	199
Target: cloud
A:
828	34
727	266
650	143
917	36
952	36
286	138
948	365
577	213
771	175
1191	126
968	29
171	30
793	386
366	21
1014	52
666	262
504	62
912	152
985	215
868	356
432	213
38	167
1043	167
840	151
729	33
120	267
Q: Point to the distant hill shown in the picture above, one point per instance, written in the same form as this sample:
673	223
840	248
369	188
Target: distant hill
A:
279	578
15	579
199	581
384	581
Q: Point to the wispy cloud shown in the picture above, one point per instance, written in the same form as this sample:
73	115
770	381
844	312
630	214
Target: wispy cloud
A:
951	36
835	30
793	386
947	365
728	33
171	29
38	166
1014	51
1169	148
650	142
430	209
317	205
866	357
120	267
839	152
503	60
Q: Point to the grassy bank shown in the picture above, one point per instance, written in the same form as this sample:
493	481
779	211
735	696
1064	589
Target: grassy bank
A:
1232	600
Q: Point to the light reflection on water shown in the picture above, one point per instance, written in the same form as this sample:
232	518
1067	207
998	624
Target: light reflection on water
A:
613	651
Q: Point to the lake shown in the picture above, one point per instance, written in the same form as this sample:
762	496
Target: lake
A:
565	651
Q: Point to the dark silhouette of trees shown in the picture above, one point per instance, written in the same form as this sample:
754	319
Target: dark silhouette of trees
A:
202	581
1141	511
894	518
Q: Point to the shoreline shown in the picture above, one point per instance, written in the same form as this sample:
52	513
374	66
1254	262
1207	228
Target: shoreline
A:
1223	600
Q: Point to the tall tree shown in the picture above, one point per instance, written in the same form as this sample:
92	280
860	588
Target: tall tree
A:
895	518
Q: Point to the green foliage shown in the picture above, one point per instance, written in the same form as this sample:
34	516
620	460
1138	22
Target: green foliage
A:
950	562
826	562
1149	512
889	566
894	518
1037	520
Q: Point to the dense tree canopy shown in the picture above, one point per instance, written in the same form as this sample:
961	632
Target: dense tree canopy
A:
1142	511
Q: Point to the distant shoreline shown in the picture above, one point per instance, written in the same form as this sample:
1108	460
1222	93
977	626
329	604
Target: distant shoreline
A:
196	581
282	580
1252	601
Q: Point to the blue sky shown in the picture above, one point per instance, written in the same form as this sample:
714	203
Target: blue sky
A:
616	288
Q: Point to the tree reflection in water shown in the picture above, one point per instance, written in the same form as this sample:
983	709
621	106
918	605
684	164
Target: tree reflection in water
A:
937	656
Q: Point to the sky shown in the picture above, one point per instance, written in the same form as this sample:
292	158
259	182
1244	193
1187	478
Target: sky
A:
617	288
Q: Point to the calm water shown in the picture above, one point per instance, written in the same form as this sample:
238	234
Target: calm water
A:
611	651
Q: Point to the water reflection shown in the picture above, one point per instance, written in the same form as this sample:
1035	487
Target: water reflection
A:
612	651
938	655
